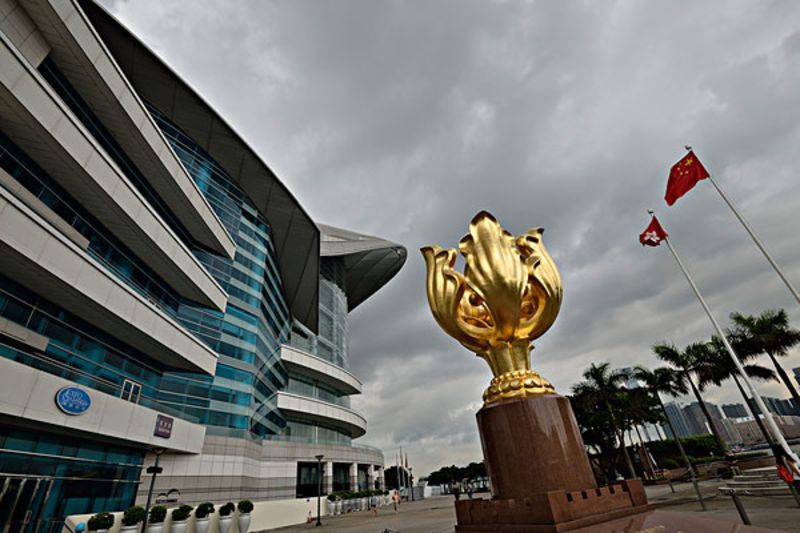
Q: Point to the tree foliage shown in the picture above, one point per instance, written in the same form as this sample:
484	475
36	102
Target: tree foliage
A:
453	473
391	476
695	446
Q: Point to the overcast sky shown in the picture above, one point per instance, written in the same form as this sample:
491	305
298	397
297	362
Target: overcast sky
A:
404	119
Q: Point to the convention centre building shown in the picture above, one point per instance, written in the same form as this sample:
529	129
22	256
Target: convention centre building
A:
162	293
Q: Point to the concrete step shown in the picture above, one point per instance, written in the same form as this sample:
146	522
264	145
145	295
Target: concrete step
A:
771	491
762	470
745	479
755	484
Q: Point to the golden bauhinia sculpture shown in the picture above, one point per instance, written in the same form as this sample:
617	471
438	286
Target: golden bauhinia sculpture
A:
509	294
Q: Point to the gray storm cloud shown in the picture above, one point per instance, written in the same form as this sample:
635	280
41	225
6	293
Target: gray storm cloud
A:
403	120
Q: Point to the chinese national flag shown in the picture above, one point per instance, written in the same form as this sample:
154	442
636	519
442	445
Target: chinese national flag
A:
683	176
653	234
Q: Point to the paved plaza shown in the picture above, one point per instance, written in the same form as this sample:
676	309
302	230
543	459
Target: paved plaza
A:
437	515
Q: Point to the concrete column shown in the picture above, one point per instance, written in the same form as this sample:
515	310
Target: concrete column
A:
354	476
381	478
327	478
371	477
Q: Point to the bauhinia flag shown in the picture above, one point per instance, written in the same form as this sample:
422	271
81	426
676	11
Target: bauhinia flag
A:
653	234
683	176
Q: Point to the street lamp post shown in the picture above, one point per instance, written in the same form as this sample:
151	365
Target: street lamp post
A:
154	471
411	481
319	485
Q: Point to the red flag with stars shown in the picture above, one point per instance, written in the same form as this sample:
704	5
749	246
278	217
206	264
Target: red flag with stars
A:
653	234
683	176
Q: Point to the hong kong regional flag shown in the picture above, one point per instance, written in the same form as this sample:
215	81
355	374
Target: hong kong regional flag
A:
683	176
653	234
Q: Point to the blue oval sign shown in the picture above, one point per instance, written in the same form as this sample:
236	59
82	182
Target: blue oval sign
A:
73	401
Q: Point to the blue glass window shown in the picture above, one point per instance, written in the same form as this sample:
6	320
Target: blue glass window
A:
256	321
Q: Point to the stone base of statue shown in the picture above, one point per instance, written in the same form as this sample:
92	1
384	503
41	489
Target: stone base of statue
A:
540	473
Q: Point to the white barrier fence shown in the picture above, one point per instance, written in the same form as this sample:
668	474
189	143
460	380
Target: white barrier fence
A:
265	515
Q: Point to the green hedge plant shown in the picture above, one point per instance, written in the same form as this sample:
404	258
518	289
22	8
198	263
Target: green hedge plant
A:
204	509
100	521
133	515
245	506
181	513
158	513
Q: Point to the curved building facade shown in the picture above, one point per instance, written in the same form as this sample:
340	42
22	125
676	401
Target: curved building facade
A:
160	290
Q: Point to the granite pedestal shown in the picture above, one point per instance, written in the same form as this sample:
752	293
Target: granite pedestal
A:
540	474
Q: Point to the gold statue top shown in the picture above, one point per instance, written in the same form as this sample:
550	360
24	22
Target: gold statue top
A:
510	293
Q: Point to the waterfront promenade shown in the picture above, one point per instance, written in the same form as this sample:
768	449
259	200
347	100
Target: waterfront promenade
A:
436	515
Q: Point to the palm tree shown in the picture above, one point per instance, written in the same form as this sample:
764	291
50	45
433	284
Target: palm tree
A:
639	408
603	386
769	333
722	367
665	380
662	380
693	359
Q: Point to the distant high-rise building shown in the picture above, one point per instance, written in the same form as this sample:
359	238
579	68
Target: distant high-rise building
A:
735	410
785	407
698	425
730	432
777	406
678	419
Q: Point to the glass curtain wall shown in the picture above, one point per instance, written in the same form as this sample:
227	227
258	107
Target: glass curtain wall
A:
331	342
248	335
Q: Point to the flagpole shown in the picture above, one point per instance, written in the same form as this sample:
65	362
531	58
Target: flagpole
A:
757	397
403	476
754	237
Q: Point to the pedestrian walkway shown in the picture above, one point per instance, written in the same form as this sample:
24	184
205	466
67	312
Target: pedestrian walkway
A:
437	515
431	515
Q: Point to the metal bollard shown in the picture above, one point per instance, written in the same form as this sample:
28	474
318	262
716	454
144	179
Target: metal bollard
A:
699	494
739	507
794	493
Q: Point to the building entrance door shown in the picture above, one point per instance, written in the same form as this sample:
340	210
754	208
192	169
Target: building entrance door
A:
21	502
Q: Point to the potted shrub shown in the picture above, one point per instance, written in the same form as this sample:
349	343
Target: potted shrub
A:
245	507
155	522
179	518
132	517
100	522
226	517
339	503
201	515
348	501
331	504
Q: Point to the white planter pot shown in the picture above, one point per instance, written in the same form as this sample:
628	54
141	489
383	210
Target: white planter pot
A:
244	522
155	528
365	504
178	527
331	507
225	523
201	525
129	529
